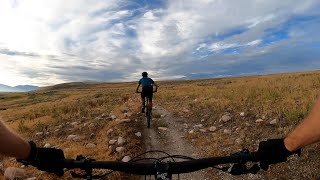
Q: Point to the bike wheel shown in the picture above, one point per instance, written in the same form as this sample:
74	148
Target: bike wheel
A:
148	117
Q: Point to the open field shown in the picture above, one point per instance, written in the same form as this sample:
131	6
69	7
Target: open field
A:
90	110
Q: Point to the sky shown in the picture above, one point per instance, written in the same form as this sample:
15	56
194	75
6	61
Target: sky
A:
57	41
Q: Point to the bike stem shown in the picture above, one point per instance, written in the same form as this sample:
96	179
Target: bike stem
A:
162	171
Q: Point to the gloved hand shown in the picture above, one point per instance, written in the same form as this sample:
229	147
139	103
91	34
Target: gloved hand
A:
273	151
45	159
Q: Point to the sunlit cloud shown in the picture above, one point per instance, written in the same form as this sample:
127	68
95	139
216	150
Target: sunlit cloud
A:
55	41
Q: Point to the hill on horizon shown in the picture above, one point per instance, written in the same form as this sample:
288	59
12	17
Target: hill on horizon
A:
19	88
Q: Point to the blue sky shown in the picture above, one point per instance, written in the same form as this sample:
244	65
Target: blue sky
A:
49	42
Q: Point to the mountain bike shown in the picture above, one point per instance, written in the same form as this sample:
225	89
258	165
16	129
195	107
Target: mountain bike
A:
148	109
161	168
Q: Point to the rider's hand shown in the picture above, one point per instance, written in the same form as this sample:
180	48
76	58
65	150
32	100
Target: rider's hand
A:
45	159
273	151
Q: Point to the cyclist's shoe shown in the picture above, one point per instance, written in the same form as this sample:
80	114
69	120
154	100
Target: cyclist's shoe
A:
142	110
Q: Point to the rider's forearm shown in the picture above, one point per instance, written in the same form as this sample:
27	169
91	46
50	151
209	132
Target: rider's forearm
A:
11	144
306	132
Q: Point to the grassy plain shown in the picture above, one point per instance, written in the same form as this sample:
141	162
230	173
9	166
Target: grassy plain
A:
285	97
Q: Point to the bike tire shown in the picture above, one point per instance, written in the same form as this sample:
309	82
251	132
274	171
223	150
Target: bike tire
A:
148	114
148	117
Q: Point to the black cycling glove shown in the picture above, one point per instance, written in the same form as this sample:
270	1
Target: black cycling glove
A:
273	151
45	159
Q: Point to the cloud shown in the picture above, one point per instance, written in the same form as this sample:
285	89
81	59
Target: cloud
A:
116	40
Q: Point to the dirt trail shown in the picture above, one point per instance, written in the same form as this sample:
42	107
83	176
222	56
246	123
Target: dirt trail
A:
171	140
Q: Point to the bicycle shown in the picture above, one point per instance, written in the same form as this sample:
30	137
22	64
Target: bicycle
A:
161	168
148	109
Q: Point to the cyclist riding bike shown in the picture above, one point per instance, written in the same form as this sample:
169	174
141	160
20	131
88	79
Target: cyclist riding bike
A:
147	90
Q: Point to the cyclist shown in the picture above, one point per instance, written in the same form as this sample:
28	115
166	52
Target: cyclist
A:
11	144
147	89
307	132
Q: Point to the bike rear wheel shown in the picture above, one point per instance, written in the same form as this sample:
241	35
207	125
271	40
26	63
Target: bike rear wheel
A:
148	113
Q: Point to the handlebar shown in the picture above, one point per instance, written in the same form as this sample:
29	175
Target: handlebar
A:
159	167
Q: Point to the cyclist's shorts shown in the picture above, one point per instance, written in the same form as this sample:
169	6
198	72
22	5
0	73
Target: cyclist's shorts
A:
147	92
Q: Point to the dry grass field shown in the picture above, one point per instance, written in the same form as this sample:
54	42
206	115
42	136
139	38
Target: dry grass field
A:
48	116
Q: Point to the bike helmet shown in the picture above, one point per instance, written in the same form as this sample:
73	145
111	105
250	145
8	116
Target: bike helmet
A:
144	74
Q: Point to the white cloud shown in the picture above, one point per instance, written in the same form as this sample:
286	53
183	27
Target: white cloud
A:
108	36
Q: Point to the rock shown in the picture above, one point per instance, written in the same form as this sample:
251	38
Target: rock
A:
91	145
126	159
74	123
212	128
125	120
59	127
121	141
185	111
198	126
163	115
12	173
247	124
47	145
259	120
57	130
109	131
112	141
162	128
113	116
238	141
229	109
1	168
203	130
195	100
138	134
92	135
77	139
103	115
39	133
91	125
120	149
191	131
242	114
274	122
128	114
32	178
227	131
202	120
225	118
263	117
186	125
112	148
71	137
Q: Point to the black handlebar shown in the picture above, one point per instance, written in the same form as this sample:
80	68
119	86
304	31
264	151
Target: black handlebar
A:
127	167
160	167
151	168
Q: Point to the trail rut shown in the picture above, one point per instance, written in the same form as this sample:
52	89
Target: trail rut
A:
171	140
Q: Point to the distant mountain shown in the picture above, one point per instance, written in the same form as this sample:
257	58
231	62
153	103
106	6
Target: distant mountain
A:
20	88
